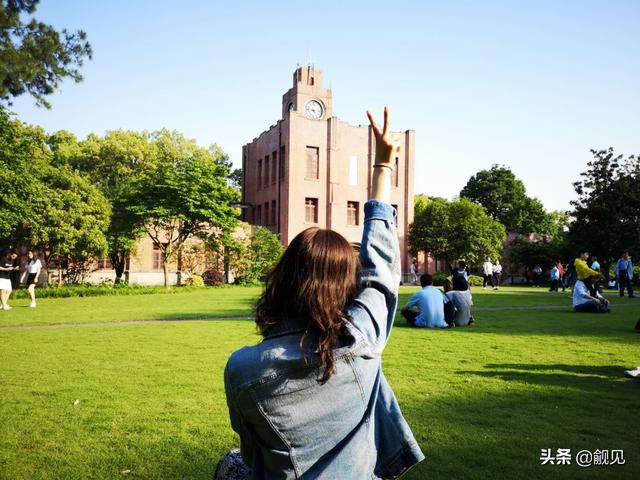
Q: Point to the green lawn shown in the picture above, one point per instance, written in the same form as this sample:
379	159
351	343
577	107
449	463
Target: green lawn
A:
94	401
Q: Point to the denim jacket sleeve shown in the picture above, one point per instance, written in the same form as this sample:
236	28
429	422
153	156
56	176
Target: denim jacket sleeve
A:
246	445
374	308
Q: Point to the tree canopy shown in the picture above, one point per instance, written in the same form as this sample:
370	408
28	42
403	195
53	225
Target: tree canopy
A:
606	215
34	56
453	230
504	198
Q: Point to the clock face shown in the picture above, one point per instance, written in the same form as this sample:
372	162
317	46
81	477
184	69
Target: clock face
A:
313	109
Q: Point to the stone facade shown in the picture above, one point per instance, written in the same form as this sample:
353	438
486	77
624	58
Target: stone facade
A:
313	169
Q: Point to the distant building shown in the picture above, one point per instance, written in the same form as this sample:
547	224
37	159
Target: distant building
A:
313	169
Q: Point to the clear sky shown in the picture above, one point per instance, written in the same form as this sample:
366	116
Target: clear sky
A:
531	85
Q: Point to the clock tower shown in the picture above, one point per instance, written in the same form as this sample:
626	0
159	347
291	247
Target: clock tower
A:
307	97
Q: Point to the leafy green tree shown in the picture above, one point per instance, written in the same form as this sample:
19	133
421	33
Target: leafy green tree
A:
113	163
69	218
23	154
504	198
525	253
184	193
606	218
266	250
452	230
34	56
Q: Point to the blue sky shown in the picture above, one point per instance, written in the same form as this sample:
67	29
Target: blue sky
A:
531	85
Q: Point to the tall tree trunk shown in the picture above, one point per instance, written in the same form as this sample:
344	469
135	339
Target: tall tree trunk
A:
166	273
179	273
118	264
59	272
225	263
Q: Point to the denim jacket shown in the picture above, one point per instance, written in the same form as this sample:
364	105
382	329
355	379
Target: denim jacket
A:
351	427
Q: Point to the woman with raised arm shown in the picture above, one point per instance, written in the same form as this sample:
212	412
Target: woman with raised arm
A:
310	400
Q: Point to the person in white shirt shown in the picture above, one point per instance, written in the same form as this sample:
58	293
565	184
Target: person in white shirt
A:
497	275
583	301
414	272
34	266
487	270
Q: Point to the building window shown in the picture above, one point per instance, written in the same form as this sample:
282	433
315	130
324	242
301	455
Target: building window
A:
259	215
311	210
353	213
259	174
266	214
312	163
157	257
353	170
266	170
273	212
394	178
274	166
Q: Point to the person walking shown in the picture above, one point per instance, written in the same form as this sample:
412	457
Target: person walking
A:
310	400
554	276
7	267
487	271
537	271
34	266
561	274
497	275
414	272
624	272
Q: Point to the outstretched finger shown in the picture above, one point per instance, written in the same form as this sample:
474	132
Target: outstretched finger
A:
373	123
385	128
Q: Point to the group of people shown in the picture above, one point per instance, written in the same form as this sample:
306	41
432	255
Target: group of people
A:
587	294
492	274
430	307
11	276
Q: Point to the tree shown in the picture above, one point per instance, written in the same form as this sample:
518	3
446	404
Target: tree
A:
23	153
606	215
113	163
452	230
504	198
266	250
69	218
34	57
184	193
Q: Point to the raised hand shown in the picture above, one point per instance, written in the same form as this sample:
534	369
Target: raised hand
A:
386	145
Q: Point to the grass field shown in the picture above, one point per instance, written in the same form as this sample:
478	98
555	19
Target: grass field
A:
147	399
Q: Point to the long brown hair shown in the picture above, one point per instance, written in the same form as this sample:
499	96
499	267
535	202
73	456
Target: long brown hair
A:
315	280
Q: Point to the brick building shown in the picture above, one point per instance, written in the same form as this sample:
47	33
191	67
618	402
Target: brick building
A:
313	169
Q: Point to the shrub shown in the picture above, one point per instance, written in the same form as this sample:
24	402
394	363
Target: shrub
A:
194	281
439	278
475	280
213	277
92	290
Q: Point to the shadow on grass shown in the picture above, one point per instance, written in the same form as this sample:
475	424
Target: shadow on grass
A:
615	326
493	423
581	377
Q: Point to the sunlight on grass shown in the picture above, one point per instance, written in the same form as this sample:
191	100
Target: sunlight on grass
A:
90	402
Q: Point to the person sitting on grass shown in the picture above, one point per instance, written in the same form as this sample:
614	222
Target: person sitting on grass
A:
461	299
310	400
461	270
430	304
586	299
